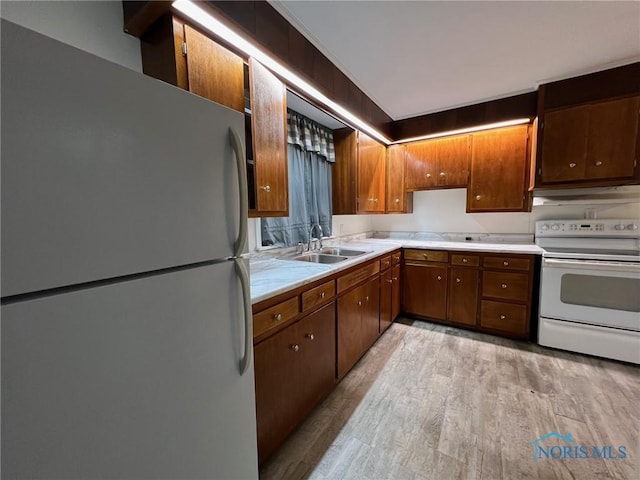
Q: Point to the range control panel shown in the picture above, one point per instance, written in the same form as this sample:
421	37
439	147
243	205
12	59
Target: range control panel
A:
625	227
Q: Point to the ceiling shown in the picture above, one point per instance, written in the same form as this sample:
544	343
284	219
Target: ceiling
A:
417	57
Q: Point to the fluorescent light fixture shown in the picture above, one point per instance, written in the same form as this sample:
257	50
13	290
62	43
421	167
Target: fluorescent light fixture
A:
215	26
487	126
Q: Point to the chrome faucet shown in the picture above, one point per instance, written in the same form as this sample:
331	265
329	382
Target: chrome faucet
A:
313	225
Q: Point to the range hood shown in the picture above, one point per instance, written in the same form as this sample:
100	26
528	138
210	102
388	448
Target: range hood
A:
587	196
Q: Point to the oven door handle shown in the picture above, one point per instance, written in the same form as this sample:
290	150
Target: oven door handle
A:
586	265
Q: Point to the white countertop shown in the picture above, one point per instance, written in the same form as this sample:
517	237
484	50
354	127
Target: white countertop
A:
278	274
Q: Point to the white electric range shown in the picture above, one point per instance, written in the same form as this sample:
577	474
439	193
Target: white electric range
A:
590	287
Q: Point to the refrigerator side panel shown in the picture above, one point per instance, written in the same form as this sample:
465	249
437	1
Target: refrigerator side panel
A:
105	171
132	380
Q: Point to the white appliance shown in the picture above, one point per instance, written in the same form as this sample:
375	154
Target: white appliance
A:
126	317
590	287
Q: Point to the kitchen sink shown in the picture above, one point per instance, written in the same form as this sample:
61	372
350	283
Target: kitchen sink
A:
321	258
341	251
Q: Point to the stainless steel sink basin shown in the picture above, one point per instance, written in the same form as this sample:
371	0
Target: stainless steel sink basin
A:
321	258
341	251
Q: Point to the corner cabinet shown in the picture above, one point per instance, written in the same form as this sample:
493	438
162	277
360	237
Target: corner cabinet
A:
499	174
358	177
179	54
590	145
397	200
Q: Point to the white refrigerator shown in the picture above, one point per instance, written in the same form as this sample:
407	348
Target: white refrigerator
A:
126	317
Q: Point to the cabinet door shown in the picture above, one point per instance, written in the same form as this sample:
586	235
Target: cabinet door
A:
386	294
213	71
421	165
425	290
395	292
454	154
316	336
463	295
612	139
371	175
564	145
499	166
350	342
269	132
343	174
371	313
396	196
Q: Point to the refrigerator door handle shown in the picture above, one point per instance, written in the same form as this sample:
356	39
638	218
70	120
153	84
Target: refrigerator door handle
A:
241	270
238	149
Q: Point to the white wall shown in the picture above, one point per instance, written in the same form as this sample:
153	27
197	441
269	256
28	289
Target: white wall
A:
96	27
444	211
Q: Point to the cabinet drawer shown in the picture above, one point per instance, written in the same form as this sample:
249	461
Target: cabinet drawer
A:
395	258
426	255
357	276
274	316
465	260
507	263
508	317
385	263
510	286
318	296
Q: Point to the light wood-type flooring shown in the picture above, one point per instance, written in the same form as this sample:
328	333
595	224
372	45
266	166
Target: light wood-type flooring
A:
434	402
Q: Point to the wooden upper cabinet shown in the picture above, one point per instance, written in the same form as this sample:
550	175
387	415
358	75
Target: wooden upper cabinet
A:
498	180
438	163
269	131
398	200
214	72
590	144
343	175
370	175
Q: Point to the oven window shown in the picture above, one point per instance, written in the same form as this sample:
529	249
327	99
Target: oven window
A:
613	293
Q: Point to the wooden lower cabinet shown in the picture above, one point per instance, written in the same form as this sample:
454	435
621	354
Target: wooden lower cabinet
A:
358	323
294	370
463	295
425	290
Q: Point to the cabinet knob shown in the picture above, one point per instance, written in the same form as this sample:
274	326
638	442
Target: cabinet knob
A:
442	174
359	303
458	280
428	175
390	281
572	165
397	200
322	294
277	317
505	263
464	260
478	197
366	299
504	285
295	347
266	188
310	336
598	163
439	277
502	317
395	279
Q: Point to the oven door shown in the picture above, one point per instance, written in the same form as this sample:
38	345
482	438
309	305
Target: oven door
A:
593	292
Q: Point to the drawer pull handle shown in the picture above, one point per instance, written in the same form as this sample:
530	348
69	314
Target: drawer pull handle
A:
504	285
598	163
295	347
464	260
572	165
277	317
505	263
458	280
439	277
502	317
266	188
322	294
310	336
